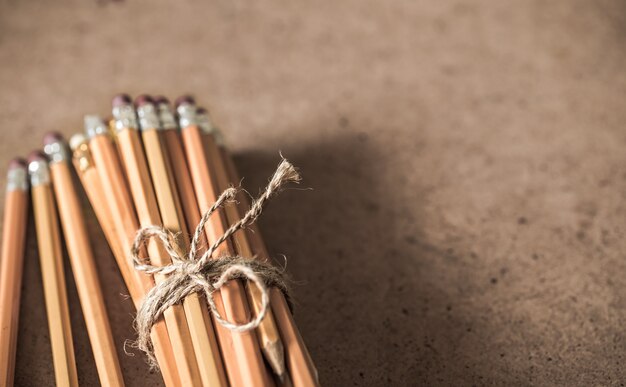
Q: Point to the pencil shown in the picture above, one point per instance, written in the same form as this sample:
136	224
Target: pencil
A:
299	362
269	338
88	175
192	216
83	263
170	207
231	300
136	167
11	265
115	188
51	260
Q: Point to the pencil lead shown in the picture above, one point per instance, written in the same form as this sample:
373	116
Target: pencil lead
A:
275	355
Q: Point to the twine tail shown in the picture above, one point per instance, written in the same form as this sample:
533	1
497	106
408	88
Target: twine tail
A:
285	173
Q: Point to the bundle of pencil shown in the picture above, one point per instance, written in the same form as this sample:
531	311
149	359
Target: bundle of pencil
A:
150	165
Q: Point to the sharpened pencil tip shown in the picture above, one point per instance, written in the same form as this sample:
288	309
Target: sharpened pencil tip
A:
275	356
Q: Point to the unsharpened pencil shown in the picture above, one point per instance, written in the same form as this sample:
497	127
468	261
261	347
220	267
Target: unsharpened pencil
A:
51	260
11	265
231	299
203	338
88	175
82	261
136	167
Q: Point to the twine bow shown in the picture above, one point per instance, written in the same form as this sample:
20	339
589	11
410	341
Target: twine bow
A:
188	274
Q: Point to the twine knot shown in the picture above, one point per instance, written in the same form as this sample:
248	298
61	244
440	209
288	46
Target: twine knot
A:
188	273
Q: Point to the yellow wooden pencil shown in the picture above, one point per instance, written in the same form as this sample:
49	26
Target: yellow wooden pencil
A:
83	262
11	265
51	259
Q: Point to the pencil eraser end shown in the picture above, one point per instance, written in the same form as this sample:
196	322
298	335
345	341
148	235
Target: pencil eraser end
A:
143	100
17	163
184	99
121	100
160	99
52	137
36	155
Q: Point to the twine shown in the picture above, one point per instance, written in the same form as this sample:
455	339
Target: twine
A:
189	274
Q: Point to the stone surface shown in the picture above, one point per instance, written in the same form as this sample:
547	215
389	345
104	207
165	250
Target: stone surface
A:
466	220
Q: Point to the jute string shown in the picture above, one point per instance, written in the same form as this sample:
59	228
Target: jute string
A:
188	274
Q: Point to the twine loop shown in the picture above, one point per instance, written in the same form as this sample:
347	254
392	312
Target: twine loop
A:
188	273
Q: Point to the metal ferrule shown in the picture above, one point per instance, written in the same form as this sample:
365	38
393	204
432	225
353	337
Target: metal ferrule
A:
166	117
207	127
57	152
82	155
125	117
94	126
219	137
205	124
39	173
17	180
148	118
187	115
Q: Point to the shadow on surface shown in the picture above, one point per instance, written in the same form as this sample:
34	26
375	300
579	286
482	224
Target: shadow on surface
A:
360	260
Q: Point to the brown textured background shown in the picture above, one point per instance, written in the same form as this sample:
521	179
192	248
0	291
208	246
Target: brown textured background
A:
466	223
